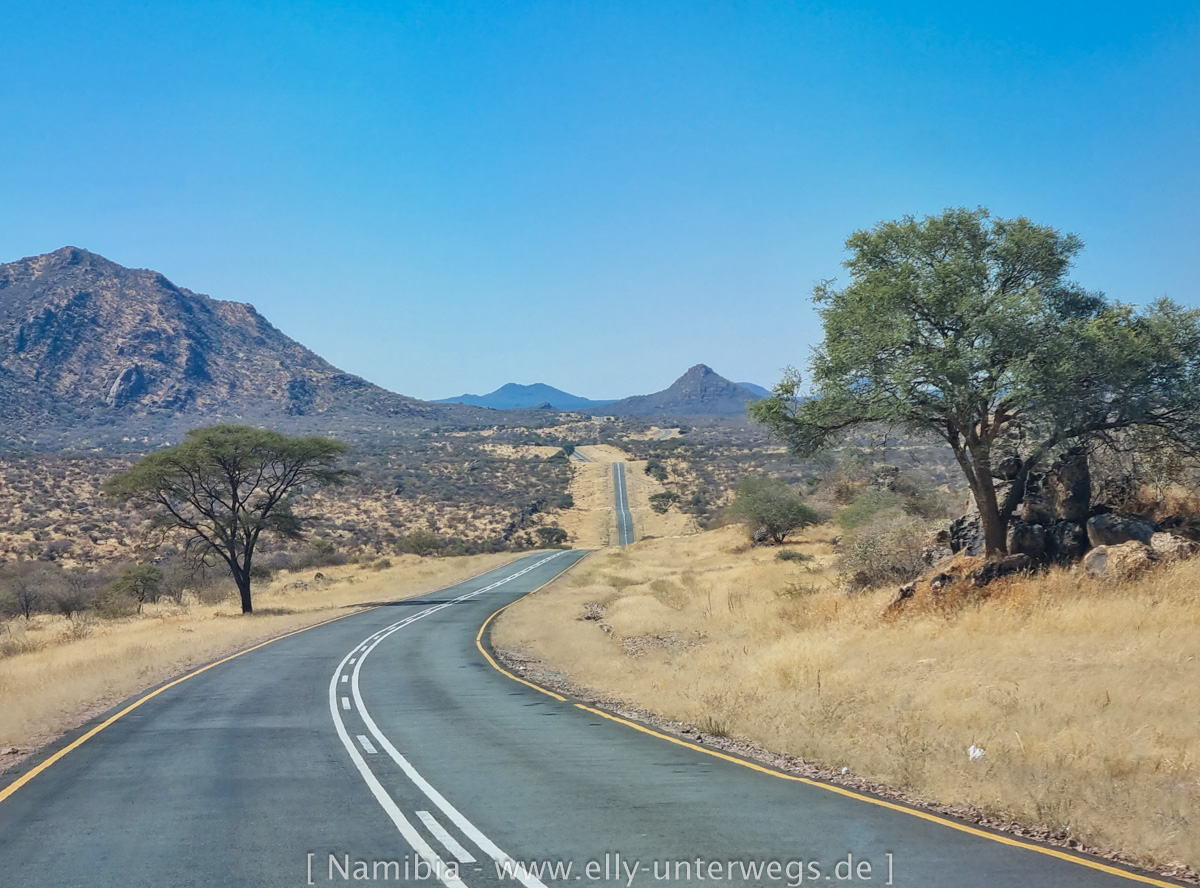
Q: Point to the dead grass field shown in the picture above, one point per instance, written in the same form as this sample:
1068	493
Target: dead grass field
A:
1081	693
646	522
589	522
70	671
603	453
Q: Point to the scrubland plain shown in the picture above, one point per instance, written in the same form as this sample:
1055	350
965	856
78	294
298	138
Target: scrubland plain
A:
1081	693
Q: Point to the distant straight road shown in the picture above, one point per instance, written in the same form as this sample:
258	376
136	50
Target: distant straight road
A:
621	501
386	744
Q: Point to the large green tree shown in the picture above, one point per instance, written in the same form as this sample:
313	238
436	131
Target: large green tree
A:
968	327
225	486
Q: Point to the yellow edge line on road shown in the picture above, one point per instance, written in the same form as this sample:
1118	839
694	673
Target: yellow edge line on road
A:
840	790
75	744
491	660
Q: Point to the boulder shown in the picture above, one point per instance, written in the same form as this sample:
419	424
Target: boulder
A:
1068	485
1028	539
1066	541
1001	567
1119	562
1115	528
1169	547
941	581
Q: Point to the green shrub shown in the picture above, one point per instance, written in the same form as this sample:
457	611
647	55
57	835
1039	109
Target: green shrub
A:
769	506
420	542
661	502
867	506
551	536
793	555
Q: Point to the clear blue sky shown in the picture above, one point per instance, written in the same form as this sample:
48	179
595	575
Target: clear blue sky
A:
443	197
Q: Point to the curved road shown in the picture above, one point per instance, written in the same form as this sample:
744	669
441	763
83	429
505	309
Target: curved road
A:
386	744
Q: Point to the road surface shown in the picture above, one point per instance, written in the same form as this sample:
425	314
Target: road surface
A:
621	504
386	744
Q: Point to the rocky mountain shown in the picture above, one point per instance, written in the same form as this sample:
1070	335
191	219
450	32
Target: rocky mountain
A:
85	342
699	392
539	396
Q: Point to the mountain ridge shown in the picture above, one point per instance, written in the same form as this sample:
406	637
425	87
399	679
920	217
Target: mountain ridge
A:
513	396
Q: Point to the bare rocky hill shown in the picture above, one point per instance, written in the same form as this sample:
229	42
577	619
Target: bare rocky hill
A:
88	345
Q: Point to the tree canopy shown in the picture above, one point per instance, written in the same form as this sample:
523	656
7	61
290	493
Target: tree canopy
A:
225	486
968	327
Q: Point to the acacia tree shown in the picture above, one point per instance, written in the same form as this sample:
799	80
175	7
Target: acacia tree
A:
225	486
969	327
141	582
769	505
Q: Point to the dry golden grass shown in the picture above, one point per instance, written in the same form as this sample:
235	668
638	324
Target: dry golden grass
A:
603	453
520	451
646	522
73	671
589	522
1082	693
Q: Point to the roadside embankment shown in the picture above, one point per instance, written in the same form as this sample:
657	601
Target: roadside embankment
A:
1060	704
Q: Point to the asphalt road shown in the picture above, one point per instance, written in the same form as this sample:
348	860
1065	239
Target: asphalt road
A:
387	738
621	504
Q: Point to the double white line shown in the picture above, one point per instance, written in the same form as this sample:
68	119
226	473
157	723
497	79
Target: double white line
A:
411	835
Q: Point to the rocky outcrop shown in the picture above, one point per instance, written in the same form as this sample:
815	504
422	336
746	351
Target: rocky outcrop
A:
129	385
1030	540
1036	506
1067	541
966	535
1068	485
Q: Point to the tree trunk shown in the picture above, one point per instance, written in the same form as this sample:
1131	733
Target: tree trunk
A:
242	578
995	528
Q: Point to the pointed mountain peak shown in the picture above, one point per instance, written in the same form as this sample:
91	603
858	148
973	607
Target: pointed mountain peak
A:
699	391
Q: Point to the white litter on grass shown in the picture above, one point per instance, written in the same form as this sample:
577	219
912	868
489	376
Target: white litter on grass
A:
975	753
845	770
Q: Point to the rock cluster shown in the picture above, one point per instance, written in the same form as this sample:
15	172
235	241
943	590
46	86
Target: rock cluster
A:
1056	523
